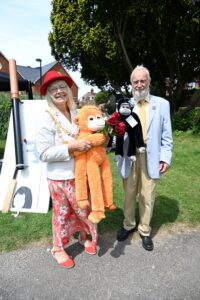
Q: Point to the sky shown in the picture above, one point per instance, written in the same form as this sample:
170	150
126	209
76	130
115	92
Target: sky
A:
25	25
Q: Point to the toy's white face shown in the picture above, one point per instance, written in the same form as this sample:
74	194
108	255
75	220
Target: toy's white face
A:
125	109
96	122
19	200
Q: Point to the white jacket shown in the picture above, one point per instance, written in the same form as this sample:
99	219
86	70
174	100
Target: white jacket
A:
52	149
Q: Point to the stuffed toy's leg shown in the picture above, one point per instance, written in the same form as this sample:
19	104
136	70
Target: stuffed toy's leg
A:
95	185
132	144
139	138
107	185
124	164
81	181
119	146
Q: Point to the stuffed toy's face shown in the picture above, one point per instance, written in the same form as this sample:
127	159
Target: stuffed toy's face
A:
90	118
125	109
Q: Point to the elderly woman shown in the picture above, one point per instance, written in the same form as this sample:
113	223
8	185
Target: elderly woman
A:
56	142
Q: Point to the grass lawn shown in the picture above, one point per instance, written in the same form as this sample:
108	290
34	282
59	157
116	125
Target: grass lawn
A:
177	200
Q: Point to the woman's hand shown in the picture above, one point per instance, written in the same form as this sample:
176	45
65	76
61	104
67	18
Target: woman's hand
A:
79	145
107	141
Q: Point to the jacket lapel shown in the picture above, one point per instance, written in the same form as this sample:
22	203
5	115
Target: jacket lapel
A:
153	106
152	109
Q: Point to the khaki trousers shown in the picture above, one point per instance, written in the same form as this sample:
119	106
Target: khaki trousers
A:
139	185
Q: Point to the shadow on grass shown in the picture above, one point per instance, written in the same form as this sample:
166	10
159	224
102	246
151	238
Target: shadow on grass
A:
166	211
112	222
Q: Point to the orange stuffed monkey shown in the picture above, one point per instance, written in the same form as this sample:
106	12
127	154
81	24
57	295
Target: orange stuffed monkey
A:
92	168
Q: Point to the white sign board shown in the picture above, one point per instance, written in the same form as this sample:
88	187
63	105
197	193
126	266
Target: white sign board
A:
31	193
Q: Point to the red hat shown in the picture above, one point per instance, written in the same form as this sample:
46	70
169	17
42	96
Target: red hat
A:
52	76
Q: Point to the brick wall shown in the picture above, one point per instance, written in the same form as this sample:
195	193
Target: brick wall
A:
4	65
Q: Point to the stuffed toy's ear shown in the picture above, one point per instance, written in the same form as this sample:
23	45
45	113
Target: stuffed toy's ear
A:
76	120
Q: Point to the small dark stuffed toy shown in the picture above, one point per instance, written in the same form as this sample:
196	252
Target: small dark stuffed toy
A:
133	129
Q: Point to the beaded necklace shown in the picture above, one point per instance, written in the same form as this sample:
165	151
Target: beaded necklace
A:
61	130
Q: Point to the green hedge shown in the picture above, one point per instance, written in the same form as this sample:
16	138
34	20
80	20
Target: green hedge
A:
185	120
5	108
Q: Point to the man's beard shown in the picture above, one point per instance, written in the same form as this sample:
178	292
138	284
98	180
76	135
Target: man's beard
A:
140	95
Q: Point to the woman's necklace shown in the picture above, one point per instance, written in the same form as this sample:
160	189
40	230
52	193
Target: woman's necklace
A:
61	130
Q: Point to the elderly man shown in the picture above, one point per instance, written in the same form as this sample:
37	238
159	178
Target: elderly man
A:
154	114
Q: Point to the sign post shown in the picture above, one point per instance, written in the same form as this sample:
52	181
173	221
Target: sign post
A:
17	134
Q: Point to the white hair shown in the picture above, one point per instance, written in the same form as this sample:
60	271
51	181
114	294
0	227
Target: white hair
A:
141	67
71	103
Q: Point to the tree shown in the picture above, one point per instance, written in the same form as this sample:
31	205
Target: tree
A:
102	97
109	38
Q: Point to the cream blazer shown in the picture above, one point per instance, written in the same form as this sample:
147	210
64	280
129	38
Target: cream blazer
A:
51	147
159	134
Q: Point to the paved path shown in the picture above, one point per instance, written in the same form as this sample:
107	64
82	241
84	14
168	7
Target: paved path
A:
120	271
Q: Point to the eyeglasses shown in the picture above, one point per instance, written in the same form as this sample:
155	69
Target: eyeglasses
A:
54	89
135	82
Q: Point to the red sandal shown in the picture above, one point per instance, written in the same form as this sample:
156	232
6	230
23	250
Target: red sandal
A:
90	249
68	263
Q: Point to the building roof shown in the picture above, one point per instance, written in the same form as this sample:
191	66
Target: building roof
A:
89	94
33	74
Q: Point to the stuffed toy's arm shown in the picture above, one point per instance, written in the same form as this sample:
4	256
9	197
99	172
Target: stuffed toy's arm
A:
96	139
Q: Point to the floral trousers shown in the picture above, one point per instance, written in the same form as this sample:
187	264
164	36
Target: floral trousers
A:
67	217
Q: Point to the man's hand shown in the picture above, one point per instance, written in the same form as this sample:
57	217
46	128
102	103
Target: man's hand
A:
163	167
